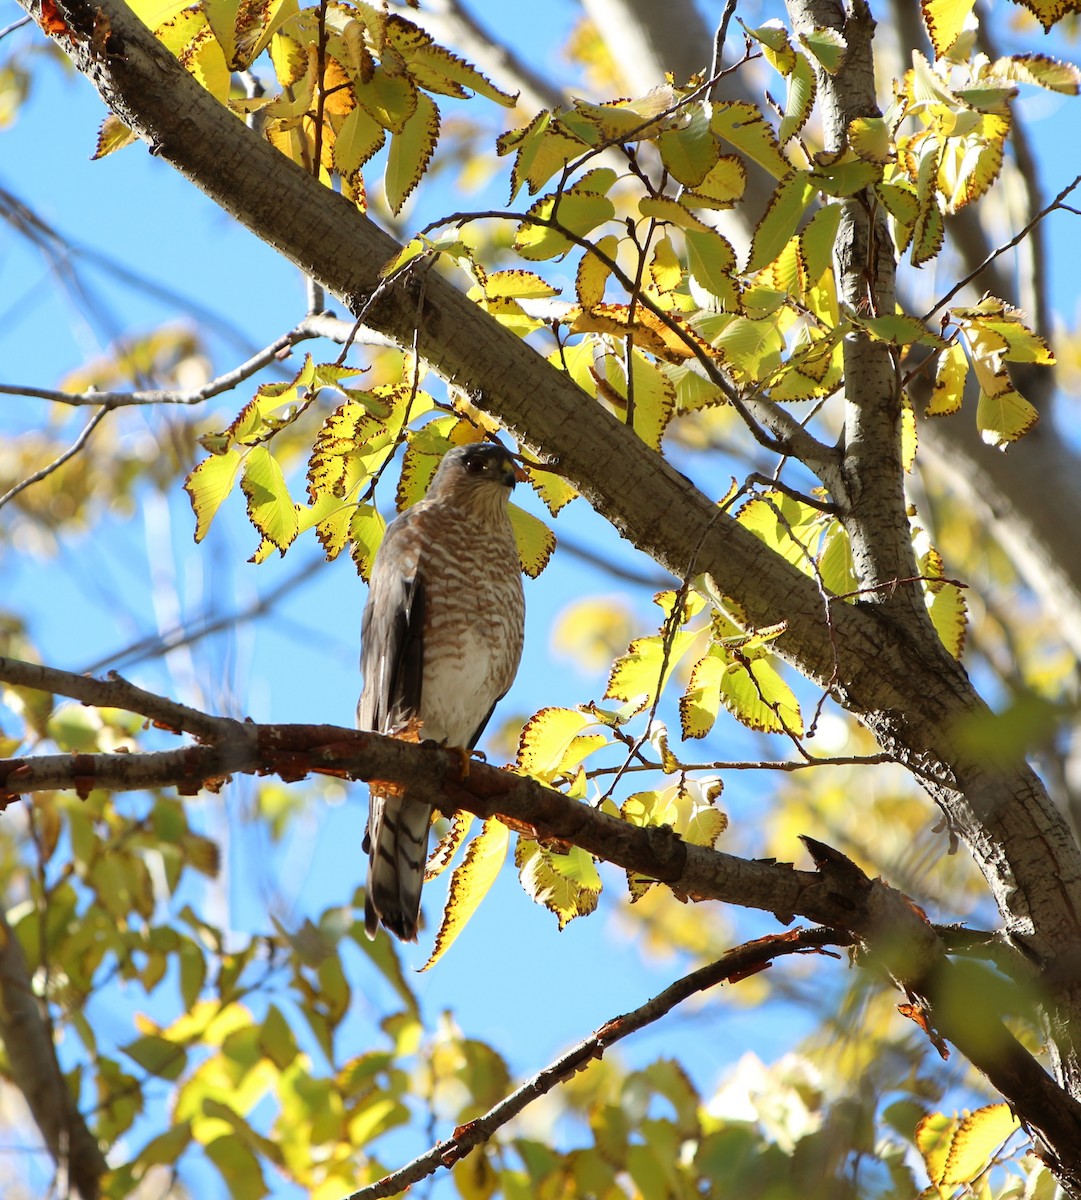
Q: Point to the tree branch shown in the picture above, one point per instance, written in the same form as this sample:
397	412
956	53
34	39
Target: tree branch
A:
901	683
895	935
35	1071
736	964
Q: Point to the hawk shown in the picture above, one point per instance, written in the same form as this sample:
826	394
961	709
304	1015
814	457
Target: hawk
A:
440	644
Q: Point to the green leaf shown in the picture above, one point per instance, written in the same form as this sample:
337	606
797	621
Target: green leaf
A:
1003	418
744	126
208	484
158	1055
568	885
411	150
690	154
828	47
239	1167
276	1039
783	214
543	147
800	100
270	508
166	1148
578	213
469	884
390	99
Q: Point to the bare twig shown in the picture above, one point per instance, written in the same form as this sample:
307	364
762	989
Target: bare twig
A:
736	964
307	329
1057	203
58	462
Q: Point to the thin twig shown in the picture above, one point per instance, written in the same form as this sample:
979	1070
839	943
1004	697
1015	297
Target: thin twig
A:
60	459
719	40
1000	250
304	331
736	964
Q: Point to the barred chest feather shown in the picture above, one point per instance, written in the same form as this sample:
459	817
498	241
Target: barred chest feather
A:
473	636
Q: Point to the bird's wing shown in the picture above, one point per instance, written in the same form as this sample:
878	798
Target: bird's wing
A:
392	643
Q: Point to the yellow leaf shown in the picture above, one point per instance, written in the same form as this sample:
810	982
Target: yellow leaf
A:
535	541
593	273
566	884
957	1150
950	376
113	135
207	486
470	883
552	744
591	632
1003	418
870	138
945	19
666	270
411	150
579	213
270	508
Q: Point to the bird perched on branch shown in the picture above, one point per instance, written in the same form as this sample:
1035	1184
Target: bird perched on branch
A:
440	644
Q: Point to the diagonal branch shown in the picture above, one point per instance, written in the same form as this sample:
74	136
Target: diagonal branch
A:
893	933
736	964
33	1067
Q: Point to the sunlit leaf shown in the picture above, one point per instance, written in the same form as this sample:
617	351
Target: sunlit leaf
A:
411	149
568	885
786	209
270	507
208	484
469	884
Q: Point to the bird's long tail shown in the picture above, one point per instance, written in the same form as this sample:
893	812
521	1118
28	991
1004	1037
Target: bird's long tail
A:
397	846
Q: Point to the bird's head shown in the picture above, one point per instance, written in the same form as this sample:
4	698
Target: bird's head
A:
480	473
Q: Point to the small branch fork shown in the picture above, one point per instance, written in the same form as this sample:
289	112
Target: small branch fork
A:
738	963
893	934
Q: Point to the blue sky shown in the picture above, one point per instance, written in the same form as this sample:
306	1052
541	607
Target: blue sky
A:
512	979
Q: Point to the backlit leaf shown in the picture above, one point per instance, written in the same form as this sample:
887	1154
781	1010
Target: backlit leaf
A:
945	19
743	126
593	273
270	507
469	884
578	213
1003	418
786	209
535	541
552	743
690	153
800	99
950	375
568	885
411	150
957	1150
207	485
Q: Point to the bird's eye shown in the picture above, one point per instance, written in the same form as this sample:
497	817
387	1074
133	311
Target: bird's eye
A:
474	465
